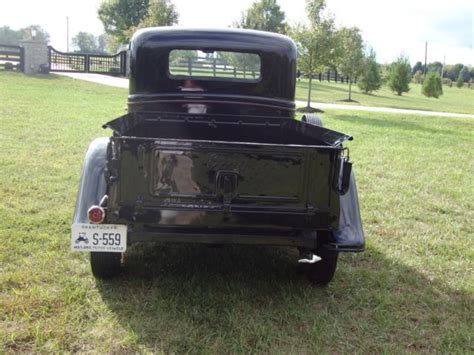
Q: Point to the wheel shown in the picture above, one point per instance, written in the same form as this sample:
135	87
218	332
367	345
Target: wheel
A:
313	119
105	265
322	272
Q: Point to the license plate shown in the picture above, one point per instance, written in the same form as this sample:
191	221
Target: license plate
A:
111	238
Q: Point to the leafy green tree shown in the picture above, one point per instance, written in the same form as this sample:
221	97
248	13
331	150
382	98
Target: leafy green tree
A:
435	66
432	86
122	17
352	50
102	44
13	37
9	36
317	43
400	75
85	42
264	15
369	78
452	71
465	74
460	81
160	13
39	32
418	67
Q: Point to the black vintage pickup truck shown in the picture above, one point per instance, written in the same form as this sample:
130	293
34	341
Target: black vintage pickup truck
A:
210	151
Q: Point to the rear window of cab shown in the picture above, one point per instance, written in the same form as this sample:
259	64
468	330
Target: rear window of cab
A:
197	64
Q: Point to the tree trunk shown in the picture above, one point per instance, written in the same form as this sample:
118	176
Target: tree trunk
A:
308	104
350	87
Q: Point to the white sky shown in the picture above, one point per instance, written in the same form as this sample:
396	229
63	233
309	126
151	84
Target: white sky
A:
390	27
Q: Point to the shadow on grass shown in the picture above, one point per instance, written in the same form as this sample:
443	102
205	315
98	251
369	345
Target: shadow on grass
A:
191	298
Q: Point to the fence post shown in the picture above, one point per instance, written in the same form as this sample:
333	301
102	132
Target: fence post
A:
22	59
86	63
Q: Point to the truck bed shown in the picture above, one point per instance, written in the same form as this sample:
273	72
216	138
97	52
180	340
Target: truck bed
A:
182	173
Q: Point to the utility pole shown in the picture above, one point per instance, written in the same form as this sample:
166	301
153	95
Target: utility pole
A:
67	33
426	56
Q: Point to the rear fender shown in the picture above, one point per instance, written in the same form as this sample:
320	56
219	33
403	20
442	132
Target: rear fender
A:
350	235
92	186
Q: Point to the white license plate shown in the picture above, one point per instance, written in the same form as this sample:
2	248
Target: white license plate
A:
110	238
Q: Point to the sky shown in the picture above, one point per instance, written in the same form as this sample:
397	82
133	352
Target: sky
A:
390	27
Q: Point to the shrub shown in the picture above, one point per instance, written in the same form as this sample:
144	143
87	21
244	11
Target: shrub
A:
460	81
432	86
369	79
400	75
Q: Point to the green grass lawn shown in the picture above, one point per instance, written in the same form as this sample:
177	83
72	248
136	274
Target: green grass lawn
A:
453	99
411	291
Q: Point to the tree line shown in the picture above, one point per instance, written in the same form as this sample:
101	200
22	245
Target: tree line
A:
321	44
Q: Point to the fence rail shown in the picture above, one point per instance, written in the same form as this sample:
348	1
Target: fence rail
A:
11	57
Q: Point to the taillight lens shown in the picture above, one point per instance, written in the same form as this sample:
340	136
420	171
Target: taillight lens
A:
96	214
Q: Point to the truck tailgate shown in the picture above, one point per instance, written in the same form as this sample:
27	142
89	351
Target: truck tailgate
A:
215	183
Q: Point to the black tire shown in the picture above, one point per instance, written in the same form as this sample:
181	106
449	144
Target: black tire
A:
105	265
322	272
313	119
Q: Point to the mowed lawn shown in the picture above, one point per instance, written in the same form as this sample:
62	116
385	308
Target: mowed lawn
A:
411	291
453	99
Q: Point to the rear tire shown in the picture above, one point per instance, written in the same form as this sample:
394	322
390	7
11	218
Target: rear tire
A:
313	119
322	272
105	265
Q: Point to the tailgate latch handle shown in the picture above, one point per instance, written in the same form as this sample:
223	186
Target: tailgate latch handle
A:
343	173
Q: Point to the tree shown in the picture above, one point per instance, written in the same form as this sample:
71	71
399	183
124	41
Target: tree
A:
9	36
369	79
432	86
352	58
85	42
13	37
452	71
39	32
317	43
122	17
264	15
435	66
102	44
464	73
418	67
460	81
400	75
160	13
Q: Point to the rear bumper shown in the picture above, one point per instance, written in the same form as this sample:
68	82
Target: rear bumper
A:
219	238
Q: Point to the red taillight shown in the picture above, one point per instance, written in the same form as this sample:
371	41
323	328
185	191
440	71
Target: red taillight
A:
96	214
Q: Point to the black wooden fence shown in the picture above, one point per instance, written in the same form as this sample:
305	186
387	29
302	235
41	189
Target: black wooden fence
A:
11	57
330	75
87	63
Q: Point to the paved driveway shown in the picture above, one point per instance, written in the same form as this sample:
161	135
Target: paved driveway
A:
123	83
